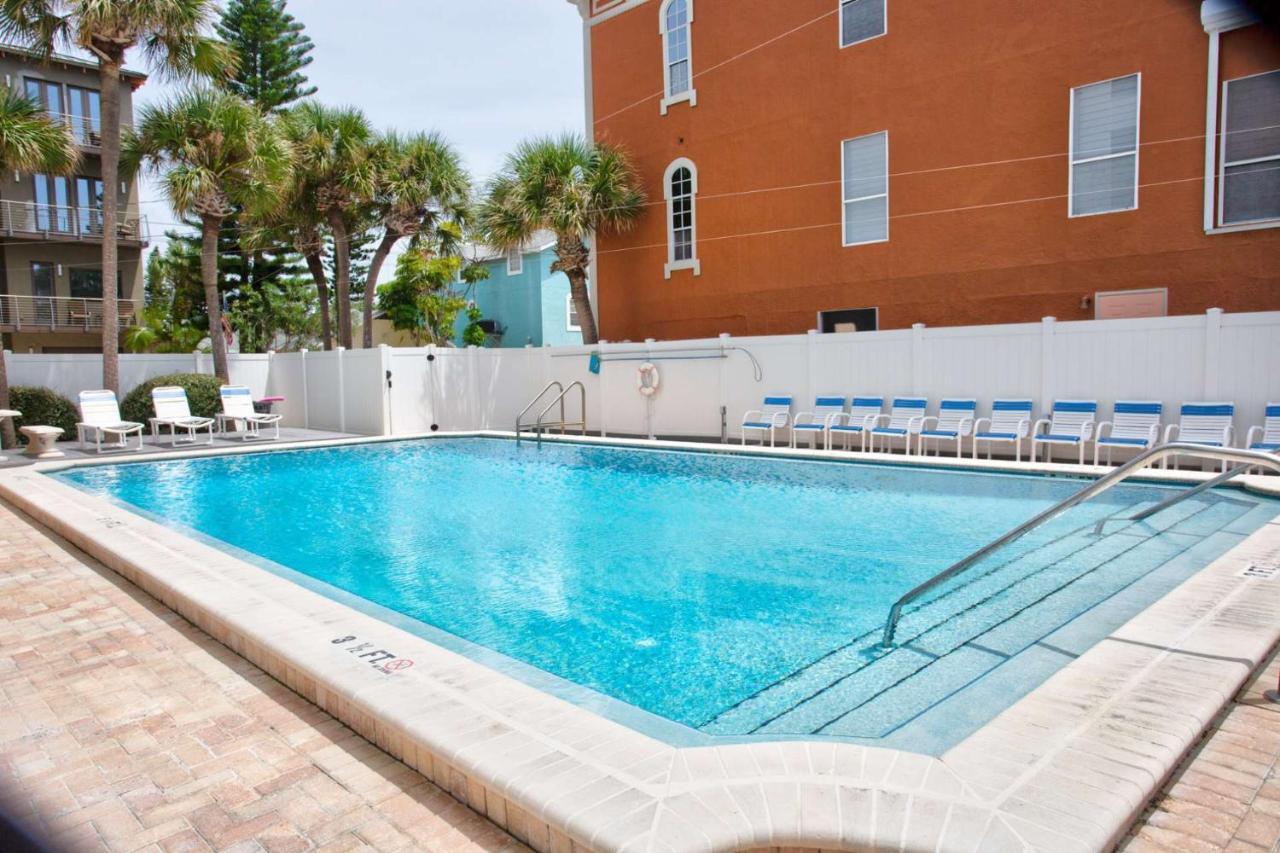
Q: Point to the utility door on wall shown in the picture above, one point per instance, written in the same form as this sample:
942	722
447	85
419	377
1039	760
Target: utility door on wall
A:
1131	304
849	320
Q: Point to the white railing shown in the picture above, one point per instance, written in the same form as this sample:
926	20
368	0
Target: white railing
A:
48	220
58	313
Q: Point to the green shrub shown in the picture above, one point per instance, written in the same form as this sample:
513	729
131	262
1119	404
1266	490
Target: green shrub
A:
44	407
202	396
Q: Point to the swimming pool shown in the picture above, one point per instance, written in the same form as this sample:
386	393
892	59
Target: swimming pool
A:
731	596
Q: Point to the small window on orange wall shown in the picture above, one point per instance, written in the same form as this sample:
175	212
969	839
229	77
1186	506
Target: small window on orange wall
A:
1131	304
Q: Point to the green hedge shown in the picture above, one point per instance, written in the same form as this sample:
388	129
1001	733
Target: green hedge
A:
202	396
43	407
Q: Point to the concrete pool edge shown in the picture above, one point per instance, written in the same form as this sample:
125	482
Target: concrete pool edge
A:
1067	767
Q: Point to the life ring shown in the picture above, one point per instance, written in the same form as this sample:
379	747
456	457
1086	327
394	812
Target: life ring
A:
648	379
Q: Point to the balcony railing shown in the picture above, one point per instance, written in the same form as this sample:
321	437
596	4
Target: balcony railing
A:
86	130
51	220
58	313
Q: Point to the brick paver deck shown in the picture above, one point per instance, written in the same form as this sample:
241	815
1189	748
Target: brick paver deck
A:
1226	794
122	727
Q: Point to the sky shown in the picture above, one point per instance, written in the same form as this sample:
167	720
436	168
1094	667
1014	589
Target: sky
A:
485	73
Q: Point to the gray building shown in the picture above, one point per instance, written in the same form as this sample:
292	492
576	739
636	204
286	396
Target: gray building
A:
51	226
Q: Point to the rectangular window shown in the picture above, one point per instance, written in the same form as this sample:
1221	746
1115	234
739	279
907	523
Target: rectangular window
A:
571	315
47	95
515	262
1104	146
1249	189
52	210
87	284
42	287
866	189
84	111
861	20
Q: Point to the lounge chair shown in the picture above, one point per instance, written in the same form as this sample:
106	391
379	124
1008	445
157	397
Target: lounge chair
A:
237	411
861	417
1134	424
773	415
817	422
100	417
1267	436
1071	423
952	423
173	411
1010	423
905	419
1209	424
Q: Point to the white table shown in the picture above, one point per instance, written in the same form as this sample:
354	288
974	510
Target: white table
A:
8	413
40	442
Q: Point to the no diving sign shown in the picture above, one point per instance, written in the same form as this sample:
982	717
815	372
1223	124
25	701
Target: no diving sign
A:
385	662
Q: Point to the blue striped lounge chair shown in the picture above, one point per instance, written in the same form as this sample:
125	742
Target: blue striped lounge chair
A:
953	422
1267	436
905	419
1010	423
100	418
1134	424
861	417
817	423
238	412
1071	423
774	414
173	411
1210	424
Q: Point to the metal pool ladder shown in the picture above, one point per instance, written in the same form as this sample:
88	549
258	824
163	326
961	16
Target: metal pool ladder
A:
540	424
1246	459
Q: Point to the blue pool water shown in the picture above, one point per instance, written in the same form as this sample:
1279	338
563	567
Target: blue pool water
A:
734	596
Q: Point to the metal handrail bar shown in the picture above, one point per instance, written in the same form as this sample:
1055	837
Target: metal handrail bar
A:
1252	458
563	424
554	383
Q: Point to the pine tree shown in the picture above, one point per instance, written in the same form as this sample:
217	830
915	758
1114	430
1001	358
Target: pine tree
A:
273	51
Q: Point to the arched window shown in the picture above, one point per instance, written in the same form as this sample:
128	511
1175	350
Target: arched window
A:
681	190
674	18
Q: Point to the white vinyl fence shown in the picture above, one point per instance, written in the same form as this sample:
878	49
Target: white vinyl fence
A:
69	374
707	384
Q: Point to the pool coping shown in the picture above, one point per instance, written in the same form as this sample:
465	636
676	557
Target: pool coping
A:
1067	767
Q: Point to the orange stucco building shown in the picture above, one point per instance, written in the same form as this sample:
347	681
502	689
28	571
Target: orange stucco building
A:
842	164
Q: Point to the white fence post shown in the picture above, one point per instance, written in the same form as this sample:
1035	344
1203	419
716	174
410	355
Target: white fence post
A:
724	387
601	349
306	406
1212	352
384	358
811	345
342	390
477	419
917	358
1046	362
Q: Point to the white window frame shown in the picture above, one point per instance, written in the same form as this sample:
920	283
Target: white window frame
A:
1268	222
515	261
690	94
568	315
840	4
693	263
1071	147
844	202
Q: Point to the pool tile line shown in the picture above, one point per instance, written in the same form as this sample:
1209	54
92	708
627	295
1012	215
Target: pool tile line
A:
992	796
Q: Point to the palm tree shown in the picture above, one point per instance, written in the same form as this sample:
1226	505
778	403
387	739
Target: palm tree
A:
294	223
30	141
217	154
338	175
421	184
569	186
171	34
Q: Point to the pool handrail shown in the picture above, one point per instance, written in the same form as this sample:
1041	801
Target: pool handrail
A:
539	425
1246	458
554	383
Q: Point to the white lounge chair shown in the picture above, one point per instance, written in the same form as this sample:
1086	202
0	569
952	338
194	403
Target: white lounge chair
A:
773	415
1010	423
1071	423
817	423
1209	424
904	420
173	411
100	417
861	417
953	422
1267	436
237	411
1134	424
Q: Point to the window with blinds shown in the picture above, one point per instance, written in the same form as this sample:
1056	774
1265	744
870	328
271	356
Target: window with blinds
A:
865	169
861	20
1249	188
1104	146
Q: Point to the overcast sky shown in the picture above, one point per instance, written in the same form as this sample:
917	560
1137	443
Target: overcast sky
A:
485	73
